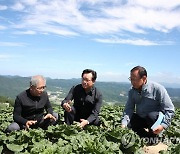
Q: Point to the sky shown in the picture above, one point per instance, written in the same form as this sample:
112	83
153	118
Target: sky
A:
61	38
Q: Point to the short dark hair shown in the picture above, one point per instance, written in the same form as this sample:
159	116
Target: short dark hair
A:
94	74
141	71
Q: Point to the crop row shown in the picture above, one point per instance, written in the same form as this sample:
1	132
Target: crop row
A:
109	137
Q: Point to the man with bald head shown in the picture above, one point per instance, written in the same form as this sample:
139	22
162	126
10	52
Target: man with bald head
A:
30	107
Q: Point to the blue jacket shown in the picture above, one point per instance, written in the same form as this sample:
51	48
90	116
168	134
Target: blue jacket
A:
153	97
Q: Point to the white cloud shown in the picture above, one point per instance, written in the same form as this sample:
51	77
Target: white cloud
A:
2	27
99	2
99	17
9	57
18	6
4	57
128	41
11	44
3	7
165	4
29	2
167	77
57	30
28	32
112	76
138	19
161	77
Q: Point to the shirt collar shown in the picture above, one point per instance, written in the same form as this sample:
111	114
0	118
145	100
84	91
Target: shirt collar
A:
91	91
144	87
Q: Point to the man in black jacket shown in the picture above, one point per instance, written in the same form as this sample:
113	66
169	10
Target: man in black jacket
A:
30	105
87	101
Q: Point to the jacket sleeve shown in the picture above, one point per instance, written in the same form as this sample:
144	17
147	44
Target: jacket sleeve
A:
167	108
129	109
69	96
17	112
96	110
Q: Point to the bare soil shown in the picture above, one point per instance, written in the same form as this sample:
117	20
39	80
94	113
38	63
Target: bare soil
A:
154	149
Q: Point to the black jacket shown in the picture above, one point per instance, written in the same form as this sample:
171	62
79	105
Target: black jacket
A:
87	105
28	107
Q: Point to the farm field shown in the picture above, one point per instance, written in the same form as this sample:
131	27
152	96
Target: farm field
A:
109	138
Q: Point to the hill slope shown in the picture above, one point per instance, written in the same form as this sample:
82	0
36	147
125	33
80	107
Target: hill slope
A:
116	92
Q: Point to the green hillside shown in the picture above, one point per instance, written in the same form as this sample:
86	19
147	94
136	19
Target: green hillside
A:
113	92
10	86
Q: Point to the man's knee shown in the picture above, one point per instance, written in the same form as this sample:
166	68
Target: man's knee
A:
13	126
57	116
151	118
137	122
71	114
134	119
69	117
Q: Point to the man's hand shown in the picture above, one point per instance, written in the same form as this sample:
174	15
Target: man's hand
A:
30	122
50	116
123	126
67	106
83	123
158	129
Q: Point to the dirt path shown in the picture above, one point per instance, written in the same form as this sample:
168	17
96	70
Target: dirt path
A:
155	149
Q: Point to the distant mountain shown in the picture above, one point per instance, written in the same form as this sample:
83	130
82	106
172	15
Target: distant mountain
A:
11	86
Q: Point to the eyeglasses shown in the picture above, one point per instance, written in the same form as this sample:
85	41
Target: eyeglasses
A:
41	88
86	80
134	79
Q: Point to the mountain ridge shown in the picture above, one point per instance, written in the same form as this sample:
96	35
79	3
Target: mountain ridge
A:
117	92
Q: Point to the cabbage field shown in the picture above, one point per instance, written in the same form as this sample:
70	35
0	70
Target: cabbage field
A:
108	138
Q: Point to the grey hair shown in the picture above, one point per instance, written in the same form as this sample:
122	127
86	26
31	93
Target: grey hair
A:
35	80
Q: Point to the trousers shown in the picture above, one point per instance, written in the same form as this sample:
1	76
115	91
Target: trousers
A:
138	124
69	117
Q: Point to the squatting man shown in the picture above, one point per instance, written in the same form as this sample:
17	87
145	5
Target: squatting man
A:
149	109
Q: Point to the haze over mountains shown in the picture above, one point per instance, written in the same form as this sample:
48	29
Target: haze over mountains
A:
113	92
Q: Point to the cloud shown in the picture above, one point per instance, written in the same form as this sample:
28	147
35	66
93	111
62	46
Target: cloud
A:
28	32
9	57
139	19
128	41
112	76
18	7
167	77
11	44
57	30
99	17
29	2
4	57
3	7
161	77
2	27
165	4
